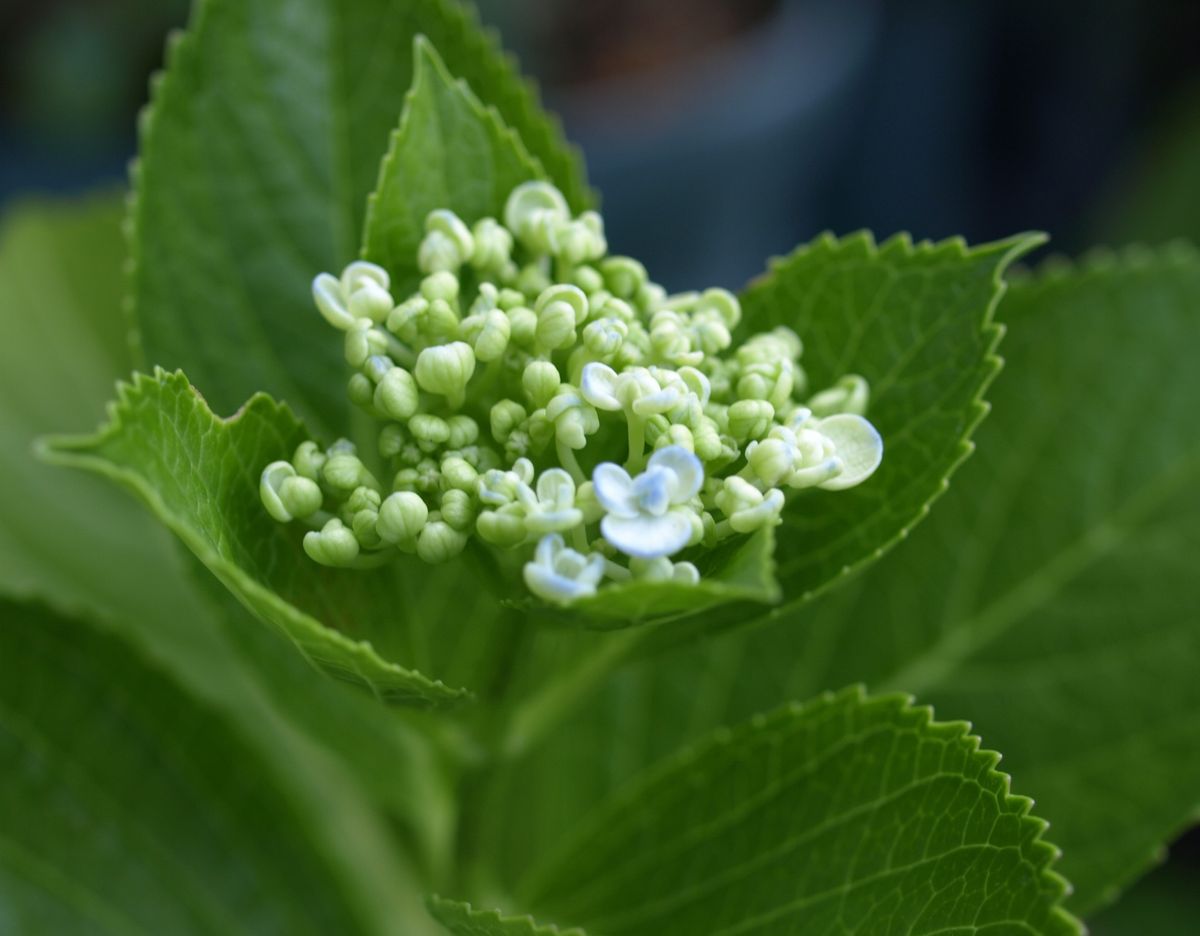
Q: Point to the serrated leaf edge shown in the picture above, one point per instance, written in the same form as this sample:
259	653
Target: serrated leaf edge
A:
1041	852
435	901
72	451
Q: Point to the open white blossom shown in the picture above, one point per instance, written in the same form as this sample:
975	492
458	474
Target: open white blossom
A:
559	574
650	515
553	508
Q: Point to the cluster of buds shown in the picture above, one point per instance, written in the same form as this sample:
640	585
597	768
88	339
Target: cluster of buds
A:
538	394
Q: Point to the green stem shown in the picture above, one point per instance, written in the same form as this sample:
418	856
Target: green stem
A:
637	441
566	458
537	715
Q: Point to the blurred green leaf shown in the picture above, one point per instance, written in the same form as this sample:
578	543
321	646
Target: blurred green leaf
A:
257	156
462	919
128	806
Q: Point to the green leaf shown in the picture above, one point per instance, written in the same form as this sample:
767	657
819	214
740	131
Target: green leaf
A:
257	156
200	475
1052	598
127	806
462	919
448	152
916	321
78	544
844	815
62	344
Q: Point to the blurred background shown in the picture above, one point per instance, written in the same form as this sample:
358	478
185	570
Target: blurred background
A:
723	131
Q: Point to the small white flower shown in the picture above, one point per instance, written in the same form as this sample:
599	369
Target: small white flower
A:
498	487
634	389
649	516
834	453
561	575
552	509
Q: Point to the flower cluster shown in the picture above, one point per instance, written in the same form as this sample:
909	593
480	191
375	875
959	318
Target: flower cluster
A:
538	394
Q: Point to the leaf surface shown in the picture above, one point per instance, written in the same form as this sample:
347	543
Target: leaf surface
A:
844	815
127	806
448	152
258	152
200	475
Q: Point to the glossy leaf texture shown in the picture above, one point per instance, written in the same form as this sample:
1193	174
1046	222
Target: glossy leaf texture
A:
258	152
1051	598
847	814
128	806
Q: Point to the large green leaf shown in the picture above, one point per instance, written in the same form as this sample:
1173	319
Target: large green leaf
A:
462	919
1051	598
127	806
257	155
843	815
200	475
77	543
448	152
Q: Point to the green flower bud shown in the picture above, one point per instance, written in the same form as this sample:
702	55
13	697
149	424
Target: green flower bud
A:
439	542
308	460
463	431
750	419
360	273
532	279
430	431
524	323
458	473
288	495
505	417
706	439
771	460
447	245
370	301
492	339
330	300
577	241
540	381
333	545
676	435
586	502
851	394
360	390
402	516
362	510
405	320
504	527
588	279
768	380
780	343
725	304
562	292
458	509
493	245
605	336
573	417
445	370
540	430
623	276
532	211
362	341
441	285
396	396
440	322
555	326
508	299
392	440
344	471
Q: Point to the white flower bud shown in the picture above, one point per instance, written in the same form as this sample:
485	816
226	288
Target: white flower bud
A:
448	243
286	494
532	211
360	273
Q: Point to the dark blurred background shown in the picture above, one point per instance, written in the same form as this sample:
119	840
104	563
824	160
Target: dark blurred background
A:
723	131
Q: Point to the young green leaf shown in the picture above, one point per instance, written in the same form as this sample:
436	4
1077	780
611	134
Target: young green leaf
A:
462	919
448	152
257	155
128	806
846	814
200	475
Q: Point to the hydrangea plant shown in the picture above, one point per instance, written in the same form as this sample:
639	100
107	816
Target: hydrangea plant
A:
576	619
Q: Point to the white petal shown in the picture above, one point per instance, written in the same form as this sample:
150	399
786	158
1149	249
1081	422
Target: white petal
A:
547	548
858	445
614	490
555	486
652	490
687	468
648	537
555	588
597	384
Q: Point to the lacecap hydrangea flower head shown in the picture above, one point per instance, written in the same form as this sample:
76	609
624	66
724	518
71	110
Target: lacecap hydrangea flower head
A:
542	396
